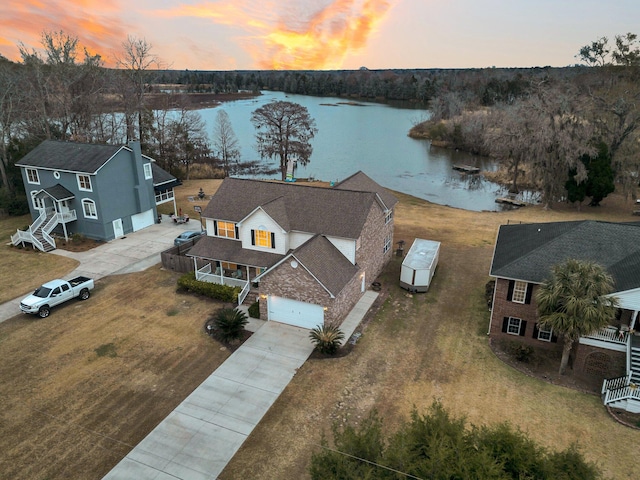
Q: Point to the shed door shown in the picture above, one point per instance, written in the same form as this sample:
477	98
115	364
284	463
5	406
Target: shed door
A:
293	312
142	220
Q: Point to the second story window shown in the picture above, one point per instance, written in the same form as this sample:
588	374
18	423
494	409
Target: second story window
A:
519	292
226	229
84	183
263	238
32	176
388	217
148	173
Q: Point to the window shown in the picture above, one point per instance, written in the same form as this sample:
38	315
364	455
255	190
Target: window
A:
514	325
519	292
387	244
226	229
38	203
388	217
89	208
543	334
84	183
148	174
229	266
32	176
263	238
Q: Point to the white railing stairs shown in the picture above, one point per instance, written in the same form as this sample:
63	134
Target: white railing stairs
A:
624	392
38	233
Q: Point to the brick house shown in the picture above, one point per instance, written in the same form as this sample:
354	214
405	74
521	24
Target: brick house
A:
99	191
308	252
522	260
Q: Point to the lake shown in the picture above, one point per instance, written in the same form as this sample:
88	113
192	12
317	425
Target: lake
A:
372	137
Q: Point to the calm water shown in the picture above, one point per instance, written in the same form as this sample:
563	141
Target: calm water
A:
372	138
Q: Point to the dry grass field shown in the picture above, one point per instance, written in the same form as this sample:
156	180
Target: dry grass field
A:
22	270
80	388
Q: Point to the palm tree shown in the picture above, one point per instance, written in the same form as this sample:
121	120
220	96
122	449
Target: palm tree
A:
327	338
575	302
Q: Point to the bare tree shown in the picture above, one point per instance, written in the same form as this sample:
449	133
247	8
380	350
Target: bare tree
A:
9	106
225	142
135	60
284	132
185	140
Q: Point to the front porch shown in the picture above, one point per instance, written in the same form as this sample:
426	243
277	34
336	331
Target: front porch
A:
53	203
239	277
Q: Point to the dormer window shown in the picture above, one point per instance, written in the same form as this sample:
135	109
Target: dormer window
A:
263	238
84	183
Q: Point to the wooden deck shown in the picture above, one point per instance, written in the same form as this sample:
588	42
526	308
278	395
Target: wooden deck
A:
466	168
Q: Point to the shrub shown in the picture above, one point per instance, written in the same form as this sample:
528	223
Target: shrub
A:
224	293
326	338
228	324
254	310
520	352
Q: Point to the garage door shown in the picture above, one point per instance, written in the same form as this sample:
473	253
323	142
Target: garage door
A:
292	312
142	220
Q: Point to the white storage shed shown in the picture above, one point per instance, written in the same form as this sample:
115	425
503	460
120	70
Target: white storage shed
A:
419	265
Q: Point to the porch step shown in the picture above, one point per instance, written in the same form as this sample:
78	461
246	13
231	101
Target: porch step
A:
251	298
47	246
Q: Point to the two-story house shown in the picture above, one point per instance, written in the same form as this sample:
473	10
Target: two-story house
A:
311	251
523	257
100	191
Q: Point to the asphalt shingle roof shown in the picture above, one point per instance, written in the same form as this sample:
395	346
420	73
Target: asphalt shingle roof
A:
528	251
361	182
227	250
328	211
59	192
69	156
326	263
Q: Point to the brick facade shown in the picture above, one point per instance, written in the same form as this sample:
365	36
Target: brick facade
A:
589	361
370	256
528	312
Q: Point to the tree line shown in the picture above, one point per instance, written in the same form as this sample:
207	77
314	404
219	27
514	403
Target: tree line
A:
572	136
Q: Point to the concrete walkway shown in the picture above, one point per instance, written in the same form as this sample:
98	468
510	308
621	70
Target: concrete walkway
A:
199	438
133	252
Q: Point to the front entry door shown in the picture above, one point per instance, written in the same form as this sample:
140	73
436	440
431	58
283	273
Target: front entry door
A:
118	231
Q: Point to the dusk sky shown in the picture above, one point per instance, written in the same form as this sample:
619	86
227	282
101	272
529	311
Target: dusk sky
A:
327	34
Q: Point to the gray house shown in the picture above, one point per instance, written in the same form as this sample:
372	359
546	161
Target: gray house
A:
100	191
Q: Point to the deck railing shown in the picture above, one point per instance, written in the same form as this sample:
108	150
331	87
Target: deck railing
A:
204	275
622	393
609	335
614	383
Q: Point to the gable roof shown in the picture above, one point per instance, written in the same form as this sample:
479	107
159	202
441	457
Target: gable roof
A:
528	251
161	178
325	262
361	182
69	156
57	192
329	211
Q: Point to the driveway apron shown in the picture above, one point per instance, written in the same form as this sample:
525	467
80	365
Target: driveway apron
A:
202	434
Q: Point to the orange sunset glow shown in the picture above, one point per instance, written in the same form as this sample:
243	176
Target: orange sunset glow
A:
323	34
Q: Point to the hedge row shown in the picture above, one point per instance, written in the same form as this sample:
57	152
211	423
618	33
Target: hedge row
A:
224	293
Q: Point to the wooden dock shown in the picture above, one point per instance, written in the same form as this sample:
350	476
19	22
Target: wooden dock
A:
466	169
510	201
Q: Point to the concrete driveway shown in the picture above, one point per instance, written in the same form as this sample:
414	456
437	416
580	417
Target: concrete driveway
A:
132	253
202	434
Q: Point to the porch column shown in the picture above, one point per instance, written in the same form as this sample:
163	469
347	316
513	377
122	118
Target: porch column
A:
175	208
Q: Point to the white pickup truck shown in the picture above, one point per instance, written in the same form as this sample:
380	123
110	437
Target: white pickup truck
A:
54	293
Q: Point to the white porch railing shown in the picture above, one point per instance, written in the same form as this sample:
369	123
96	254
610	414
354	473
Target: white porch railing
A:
164	197
614	383
609	337
204	275
622	393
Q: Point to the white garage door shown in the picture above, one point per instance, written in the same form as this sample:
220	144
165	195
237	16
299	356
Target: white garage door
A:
292	312
142	220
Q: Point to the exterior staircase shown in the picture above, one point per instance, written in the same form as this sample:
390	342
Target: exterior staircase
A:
251	298
38	232
624	392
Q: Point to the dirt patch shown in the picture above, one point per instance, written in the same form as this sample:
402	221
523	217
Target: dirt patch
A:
78	244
